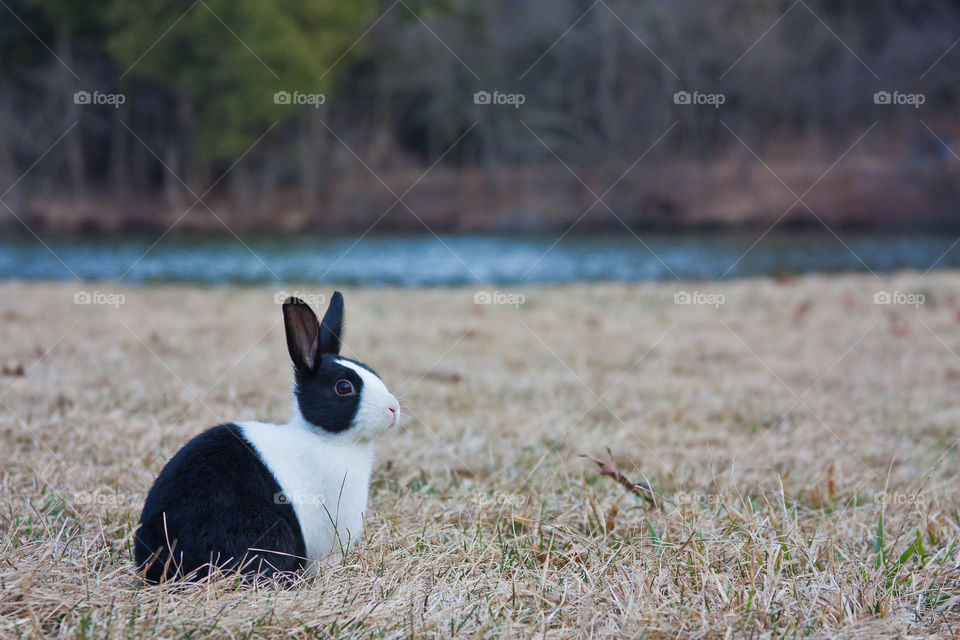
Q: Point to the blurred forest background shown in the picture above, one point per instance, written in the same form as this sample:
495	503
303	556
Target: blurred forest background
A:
196	133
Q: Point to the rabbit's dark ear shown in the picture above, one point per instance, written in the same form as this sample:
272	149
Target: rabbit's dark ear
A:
303	334
331	328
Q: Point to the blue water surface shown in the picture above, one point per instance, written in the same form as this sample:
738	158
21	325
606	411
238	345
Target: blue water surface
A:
427	260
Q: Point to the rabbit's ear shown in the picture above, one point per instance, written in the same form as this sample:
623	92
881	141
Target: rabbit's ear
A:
303	334
331	328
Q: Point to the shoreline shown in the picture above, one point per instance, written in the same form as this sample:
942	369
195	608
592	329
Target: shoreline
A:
866	193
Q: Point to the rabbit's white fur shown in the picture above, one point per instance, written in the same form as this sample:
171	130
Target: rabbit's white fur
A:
326	476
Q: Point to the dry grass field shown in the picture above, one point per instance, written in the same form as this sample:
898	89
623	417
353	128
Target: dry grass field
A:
801	441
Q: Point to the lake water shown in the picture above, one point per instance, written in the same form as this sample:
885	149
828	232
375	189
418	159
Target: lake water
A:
463	259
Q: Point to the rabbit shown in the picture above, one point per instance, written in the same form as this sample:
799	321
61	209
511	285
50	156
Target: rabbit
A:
271	500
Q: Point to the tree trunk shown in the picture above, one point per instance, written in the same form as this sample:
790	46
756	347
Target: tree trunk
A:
74	139
119	159
311	160
8	165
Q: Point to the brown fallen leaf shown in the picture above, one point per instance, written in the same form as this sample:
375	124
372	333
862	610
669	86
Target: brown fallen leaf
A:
802	310
642	489
899	328
611	519
451	377
12	368
558	559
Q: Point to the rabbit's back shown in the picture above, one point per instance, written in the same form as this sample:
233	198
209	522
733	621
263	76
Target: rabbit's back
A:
215	502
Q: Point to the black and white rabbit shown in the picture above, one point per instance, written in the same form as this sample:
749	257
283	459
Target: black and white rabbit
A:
266	498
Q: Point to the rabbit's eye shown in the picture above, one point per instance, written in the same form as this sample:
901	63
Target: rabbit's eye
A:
344	388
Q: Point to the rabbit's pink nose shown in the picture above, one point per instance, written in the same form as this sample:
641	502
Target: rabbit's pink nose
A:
393	410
